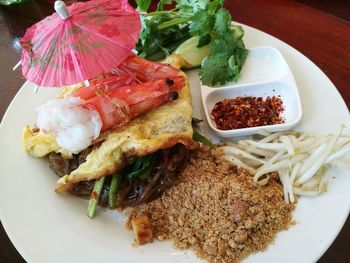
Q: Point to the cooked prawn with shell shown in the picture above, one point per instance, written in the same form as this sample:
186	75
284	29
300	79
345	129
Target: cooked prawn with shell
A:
134	88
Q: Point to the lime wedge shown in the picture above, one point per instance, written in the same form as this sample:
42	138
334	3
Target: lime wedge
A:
190	53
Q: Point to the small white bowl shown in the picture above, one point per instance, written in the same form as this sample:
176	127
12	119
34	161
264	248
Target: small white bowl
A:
265	74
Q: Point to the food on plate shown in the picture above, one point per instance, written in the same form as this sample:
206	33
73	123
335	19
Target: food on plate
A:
217	210
300	159
153	145
78	119
188	55
142	229
247	112
192	34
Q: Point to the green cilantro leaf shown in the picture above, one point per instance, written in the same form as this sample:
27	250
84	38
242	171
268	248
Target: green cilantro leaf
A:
234	67
164	30
213	6
204	40
202	23
146	30
220	46
241	54
215	70
222	22
143	5
191	6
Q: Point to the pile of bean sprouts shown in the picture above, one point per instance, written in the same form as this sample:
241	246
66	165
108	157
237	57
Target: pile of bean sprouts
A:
300	159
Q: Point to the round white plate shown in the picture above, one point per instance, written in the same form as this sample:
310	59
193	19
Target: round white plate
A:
49	227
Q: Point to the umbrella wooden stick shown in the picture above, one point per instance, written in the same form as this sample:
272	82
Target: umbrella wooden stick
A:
16	66
36	88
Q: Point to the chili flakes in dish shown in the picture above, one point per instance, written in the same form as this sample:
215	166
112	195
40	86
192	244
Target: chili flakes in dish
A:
246	112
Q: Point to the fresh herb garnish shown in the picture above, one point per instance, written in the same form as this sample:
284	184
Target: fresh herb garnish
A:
200	138
141	167
95	196
164	30
196	135
113	189
143	5
196	121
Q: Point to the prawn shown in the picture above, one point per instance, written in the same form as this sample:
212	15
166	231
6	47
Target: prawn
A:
135	87
132	70
145	70
110	102
103	85
117	107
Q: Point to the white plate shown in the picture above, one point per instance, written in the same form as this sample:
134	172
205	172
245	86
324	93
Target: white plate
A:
265	74
49	227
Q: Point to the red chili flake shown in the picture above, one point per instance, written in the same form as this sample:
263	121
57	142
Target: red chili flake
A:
244	112
94	195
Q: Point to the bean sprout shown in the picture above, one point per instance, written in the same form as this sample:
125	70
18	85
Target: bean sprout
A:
300	159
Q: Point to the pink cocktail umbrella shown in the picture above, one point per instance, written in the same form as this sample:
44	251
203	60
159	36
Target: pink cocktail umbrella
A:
79	42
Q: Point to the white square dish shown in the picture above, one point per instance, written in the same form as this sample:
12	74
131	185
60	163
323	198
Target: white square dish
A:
265	74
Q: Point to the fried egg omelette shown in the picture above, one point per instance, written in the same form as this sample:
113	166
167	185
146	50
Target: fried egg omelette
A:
160	128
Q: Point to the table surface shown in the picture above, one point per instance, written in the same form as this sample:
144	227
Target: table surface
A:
318	29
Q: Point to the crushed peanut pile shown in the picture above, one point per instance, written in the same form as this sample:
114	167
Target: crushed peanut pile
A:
218	211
